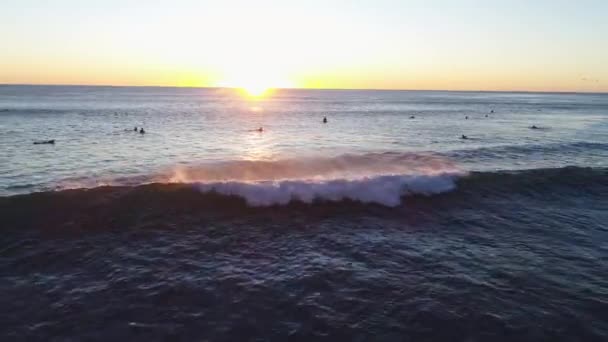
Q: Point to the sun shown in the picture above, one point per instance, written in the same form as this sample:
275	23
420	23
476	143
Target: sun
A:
255	84
255	90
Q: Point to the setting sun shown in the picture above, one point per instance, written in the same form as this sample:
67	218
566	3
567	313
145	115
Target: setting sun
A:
255	90
255	86
254	79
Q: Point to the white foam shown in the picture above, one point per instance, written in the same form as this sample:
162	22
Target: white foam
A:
381	178
386	190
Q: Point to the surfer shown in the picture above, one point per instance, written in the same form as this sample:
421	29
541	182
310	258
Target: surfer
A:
141	131
464	137
44	142
325	119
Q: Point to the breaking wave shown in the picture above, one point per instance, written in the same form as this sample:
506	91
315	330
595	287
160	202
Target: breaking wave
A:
374	178
381	178
385	190
118	206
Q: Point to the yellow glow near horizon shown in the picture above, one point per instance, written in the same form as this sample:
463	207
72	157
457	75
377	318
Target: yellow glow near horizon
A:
412	44
256	90
254	82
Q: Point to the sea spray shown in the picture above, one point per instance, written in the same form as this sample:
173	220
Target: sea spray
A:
346	166
381	178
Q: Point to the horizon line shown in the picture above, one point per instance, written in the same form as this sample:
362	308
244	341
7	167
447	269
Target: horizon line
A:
301	88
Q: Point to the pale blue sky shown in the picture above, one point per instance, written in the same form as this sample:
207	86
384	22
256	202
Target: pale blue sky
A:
493	45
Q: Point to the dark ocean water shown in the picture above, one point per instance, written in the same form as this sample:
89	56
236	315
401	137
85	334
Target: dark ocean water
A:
377	228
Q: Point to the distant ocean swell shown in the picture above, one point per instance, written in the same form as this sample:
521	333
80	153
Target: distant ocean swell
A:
517	151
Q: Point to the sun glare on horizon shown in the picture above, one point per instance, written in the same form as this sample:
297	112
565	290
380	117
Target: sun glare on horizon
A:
255	90
255	82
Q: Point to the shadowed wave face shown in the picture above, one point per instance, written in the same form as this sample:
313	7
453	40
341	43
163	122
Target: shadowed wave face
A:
165	261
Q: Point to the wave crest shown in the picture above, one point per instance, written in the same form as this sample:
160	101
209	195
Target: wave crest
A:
385	190
124	206
381	178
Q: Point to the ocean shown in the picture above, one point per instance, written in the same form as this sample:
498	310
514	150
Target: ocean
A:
408	216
